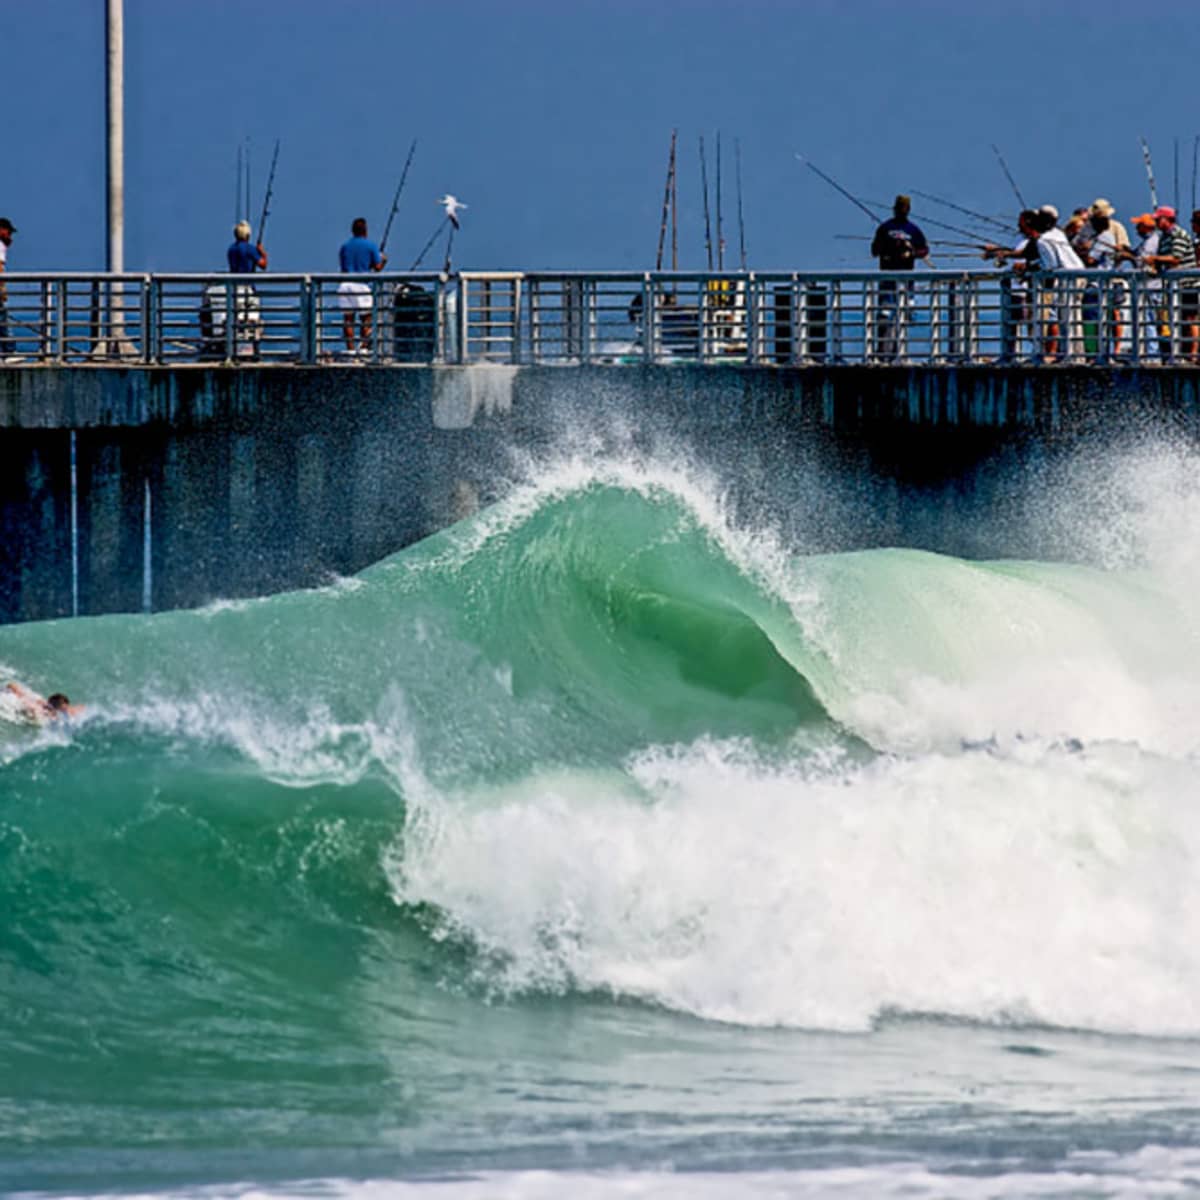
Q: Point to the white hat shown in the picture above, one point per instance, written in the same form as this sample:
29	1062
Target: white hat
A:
1049	210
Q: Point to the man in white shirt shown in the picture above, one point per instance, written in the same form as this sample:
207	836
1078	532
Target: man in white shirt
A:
7	229
1019	328
1055	254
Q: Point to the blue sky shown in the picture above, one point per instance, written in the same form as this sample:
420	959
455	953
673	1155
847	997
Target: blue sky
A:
552	121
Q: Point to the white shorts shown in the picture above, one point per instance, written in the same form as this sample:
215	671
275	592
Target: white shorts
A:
352	296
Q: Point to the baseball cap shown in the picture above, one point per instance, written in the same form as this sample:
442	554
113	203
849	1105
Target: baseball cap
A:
1165	210
1049	210
5	223
1102	207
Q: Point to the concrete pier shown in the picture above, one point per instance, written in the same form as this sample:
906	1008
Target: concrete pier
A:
166	487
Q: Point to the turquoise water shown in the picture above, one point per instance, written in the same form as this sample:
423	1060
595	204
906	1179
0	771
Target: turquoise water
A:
602	845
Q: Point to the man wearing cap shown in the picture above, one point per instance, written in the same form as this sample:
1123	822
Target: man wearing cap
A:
7	229
1150	310
1100	247
1055	254
897	243
1177	253
1102	210
1018	316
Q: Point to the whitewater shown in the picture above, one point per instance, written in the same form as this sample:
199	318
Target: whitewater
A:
613	842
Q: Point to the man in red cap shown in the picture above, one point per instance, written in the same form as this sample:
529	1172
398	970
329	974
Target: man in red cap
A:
1177	252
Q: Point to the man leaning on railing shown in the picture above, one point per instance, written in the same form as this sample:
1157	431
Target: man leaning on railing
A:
1058	301
1177	253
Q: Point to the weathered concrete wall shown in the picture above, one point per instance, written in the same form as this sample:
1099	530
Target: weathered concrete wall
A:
197	483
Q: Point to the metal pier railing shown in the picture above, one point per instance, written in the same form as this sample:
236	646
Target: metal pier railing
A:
760	318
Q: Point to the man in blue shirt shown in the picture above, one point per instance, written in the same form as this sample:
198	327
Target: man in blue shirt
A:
357	256
245	259
898	243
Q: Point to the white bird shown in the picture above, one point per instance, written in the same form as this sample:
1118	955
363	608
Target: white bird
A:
451	204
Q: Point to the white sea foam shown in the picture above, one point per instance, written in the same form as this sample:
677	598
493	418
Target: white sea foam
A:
1033	883
1151	1171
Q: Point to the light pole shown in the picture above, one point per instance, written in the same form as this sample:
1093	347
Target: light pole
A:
116	135
115	344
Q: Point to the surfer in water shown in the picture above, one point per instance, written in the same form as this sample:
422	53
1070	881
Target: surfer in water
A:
41	709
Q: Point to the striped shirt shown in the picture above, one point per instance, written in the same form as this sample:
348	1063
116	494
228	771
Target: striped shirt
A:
1177	243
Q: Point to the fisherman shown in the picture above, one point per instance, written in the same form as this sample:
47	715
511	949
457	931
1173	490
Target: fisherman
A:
1102	251
897	243
245	259
7	229
1076	231
1102	209
1151	314
357	256
40	709
1177	252
1055	254
1024	258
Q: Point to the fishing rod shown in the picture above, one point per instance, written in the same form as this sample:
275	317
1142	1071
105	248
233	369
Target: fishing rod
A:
266	208
862	237
737	155
704	185
1195	157
959	208
833	183
237	188
396	198
674	216
433	237
1008	175
246	206
1149	173
971	233
720	226
662	229
1176	192
852	198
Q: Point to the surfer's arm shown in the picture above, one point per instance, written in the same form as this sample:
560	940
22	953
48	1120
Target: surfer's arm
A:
33	704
